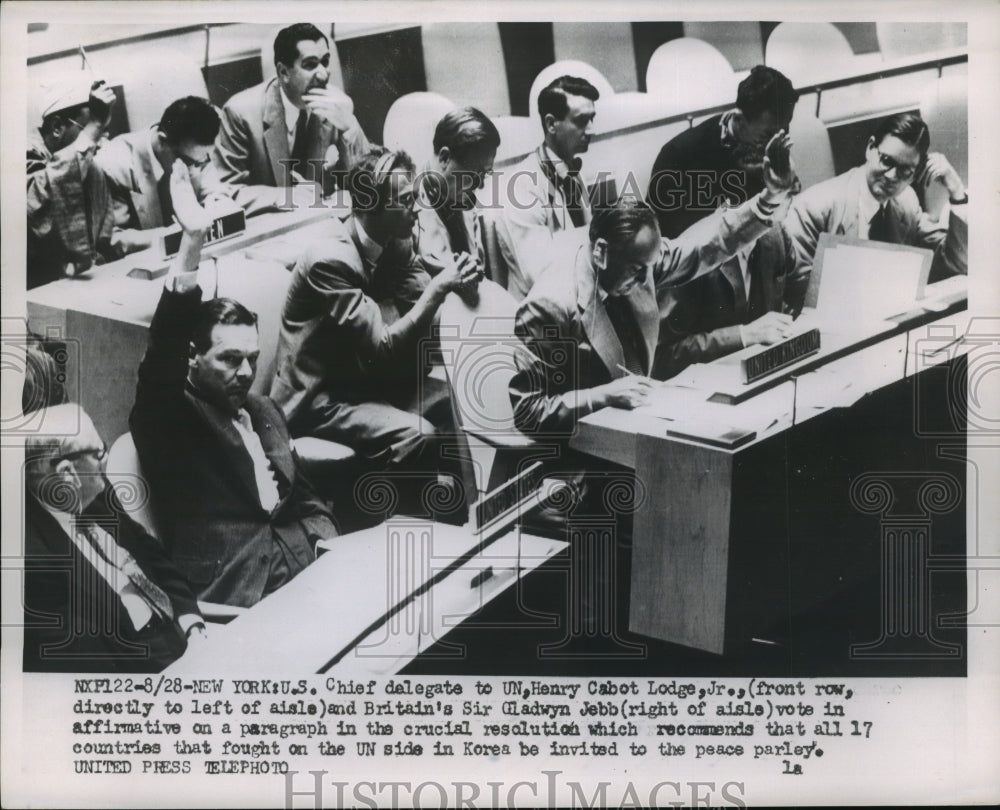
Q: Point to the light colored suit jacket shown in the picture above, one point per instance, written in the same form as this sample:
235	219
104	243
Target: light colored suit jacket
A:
251	152
133	175
832	207
533	210
572	343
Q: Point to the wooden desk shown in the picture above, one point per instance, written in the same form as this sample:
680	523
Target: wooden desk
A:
103	315
713	541
372	602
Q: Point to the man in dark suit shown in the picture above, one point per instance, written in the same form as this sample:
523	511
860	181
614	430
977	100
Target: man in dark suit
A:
240	519
721	158
100	595
285	143
742	303
349	365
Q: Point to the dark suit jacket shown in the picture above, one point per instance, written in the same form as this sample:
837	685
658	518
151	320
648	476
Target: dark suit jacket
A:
692	174
335	319
74	620
701	320
201	474
253	142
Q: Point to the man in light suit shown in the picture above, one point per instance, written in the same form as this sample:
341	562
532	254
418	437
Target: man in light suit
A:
240	518
138	165
359	305
602	304
285	143
875	201
448	223
544	192
100	596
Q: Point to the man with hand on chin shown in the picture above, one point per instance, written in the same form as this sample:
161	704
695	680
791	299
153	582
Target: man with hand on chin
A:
286	143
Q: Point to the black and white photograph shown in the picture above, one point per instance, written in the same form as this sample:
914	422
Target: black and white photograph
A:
500	405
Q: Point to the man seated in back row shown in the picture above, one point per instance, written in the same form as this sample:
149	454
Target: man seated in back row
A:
138	165
289	142
239	517
545	194
359	307
875	201
70	221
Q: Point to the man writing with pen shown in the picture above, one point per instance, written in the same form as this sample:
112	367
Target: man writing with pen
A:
591	326
605	303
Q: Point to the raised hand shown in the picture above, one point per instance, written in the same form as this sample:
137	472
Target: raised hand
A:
188	212
779	169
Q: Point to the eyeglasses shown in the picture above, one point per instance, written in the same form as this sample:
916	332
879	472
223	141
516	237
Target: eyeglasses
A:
888	163
99	454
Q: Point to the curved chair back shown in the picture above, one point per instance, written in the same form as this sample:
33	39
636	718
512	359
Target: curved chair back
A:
125	474
410	123
808	52
688	74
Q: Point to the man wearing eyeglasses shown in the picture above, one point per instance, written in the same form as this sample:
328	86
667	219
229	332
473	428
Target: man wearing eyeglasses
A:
138	165
876	201
99	596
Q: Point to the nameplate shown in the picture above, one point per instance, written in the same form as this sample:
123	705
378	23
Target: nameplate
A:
223	226
779	355
502	506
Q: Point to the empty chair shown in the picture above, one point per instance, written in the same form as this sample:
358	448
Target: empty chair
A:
812	152
808	53
945	108
689	74
567	67
410	122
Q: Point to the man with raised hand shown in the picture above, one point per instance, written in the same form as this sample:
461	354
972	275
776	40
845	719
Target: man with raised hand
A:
239	517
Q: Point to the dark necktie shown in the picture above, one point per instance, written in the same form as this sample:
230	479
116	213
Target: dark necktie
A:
629	335
880	229
119	558
572	189
299	148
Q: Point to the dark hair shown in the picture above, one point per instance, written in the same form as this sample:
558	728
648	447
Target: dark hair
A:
465	131
190	117
286	44
216	311
368	180
766	89
619	224
552	99
910	128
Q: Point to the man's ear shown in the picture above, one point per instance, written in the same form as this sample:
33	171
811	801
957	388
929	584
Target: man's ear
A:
192	355
548	123
443	156
599	251
871	143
